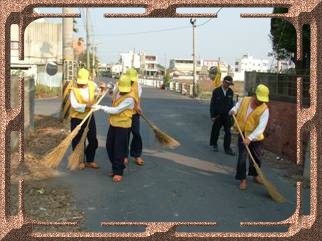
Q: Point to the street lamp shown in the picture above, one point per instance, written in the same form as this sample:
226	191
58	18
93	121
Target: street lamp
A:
194	83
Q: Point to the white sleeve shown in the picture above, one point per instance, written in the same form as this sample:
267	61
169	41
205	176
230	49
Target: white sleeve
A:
236	107
75	105
128	103
139	90
261	126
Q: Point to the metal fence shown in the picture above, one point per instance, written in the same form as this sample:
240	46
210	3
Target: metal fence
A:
282	86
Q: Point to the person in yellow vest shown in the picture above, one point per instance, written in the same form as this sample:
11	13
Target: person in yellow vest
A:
252	115
82	98
136	143
120	121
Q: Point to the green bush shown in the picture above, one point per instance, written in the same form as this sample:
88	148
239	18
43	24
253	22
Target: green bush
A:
166	80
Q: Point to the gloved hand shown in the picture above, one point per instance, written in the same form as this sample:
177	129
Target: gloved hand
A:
96	107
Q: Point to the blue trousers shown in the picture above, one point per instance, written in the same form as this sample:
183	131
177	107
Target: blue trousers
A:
256	151
136	143
117	147
90	149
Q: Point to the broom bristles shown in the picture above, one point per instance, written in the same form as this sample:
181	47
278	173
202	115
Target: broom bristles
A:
77	155
165	139
53	158
272	190
162	137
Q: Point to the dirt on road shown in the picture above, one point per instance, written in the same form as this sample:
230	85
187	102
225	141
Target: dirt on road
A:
43	201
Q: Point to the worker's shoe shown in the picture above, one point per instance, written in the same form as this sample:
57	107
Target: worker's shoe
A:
139	161
92	165
230	152
215	148
117	178
243	185
81	166
257	180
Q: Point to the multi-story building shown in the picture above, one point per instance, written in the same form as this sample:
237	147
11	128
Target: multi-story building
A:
249	63
129	60
183	68
283	66
149	65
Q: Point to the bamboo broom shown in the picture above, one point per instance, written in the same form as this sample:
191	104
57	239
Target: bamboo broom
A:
163	138
272	190
77	155
53	158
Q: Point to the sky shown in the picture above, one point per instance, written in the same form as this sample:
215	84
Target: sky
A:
227	37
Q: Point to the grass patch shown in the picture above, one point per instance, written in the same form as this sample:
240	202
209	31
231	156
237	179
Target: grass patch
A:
43	91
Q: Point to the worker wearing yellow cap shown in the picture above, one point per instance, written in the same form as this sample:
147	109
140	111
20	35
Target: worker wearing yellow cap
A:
120	121
252	115
82	97
136	142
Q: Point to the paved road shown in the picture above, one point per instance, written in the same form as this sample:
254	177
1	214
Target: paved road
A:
188	184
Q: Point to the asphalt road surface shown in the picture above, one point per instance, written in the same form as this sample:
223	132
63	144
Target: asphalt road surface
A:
189	184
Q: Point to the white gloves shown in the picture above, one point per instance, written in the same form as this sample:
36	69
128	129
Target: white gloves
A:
96	107
231	112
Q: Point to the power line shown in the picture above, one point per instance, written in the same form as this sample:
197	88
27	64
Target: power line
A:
159	30
144	32
199	25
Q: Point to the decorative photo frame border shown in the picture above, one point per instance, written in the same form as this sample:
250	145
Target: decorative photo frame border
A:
301	227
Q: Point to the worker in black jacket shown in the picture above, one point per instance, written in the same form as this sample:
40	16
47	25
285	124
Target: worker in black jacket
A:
220	105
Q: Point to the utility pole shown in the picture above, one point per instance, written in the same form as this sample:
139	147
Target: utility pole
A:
68	51
194	83
69	63
93	61
87	39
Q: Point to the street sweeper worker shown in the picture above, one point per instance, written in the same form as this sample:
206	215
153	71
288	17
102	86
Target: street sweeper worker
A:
136	143
120	121
82	97
252	115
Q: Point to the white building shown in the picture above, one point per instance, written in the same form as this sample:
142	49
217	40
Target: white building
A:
146	64
149	65
249	63
283	66
183	68
129	60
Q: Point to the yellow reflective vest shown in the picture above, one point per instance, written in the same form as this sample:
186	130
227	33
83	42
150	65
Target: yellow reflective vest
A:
80	99
123	119
249	124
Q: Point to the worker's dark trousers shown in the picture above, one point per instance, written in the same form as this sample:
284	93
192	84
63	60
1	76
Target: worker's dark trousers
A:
216	126
117	146
136	143
256	150
91	137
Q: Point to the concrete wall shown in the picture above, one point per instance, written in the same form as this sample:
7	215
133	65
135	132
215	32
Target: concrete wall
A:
29	92
281	130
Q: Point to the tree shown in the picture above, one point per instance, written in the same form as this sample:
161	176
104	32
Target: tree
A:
283	37
83	59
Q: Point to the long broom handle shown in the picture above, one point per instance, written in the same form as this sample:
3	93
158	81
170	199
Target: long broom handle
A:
148	121
91	111
247	148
